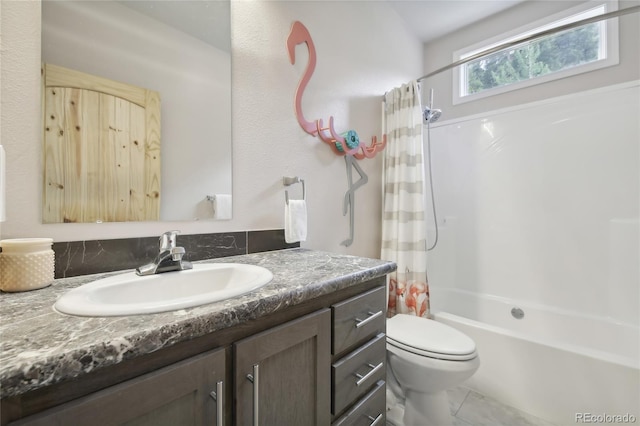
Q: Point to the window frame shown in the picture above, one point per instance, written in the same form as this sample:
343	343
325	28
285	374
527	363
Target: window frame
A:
610	47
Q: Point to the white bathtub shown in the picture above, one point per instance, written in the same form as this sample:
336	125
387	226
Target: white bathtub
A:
553	364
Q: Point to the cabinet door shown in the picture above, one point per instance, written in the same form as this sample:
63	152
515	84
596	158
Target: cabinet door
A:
176	395
282	375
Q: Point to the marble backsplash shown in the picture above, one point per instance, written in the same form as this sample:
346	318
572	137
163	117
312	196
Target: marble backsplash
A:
76	258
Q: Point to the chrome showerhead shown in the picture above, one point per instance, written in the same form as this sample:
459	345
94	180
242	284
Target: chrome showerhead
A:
431	115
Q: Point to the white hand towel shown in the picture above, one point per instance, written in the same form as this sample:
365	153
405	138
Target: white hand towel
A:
295	221
222	206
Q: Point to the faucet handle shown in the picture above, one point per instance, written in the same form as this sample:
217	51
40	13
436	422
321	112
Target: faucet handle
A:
168	240
177	253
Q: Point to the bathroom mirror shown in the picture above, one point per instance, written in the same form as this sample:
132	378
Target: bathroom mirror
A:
179	49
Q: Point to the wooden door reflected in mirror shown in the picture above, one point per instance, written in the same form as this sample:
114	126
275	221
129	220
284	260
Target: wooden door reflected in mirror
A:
101	149
180	49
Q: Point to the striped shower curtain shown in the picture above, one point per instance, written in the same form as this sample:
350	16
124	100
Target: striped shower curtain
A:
403	220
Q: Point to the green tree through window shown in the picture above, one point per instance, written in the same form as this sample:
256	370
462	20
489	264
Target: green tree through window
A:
553	53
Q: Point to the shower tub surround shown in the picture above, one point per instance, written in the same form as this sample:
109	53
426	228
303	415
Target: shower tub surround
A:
538	209
41	347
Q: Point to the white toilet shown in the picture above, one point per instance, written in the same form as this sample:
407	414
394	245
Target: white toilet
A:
424	359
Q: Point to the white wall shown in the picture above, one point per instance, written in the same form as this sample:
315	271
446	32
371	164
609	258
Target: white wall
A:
537	190
363	50
439	53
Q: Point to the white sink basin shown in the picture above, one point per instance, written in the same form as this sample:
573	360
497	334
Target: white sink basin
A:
130	294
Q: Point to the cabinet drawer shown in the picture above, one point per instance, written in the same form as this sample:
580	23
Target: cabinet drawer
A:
354	375
369	411
358	319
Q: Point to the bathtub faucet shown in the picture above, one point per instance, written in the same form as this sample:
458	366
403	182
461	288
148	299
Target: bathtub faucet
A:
169	257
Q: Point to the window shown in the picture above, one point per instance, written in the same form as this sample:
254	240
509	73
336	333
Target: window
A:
555	56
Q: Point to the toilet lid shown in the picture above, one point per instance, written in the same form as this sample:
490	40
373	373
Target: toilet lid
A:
429	338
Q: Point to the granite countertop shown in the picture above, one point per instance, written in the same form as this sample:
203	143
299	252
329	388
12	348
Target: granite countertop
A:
40	347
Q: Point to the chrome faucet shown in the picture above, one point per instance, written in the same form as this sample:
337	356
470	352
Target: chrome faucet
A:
168	259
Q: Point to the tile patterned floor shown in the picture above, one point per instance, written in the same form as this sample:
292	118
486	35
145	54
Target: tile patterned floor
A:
469	408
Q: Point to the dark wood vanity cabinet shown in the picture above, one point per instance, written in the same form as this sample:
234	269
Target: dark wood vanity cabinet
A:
358	369
321	362
181	394
282	374
281	377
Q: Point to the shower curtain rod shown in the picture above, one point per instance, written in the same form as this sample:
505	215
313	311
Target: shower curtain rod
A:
609	15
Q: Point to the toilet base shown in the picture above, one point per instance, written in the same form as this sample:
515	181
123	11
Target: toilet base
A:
426	409
395	409
395	415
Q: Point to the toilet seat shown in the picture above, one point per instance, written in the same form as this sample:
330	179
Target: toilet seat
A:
429	338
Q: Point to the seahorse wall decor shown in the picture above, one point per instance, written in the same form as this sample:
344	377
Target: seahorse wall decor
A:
348	144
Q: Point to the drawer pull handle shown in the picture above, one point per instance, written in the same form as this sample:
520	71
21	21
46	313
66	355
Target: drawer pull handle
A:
375	421
374	369
372	316
218	397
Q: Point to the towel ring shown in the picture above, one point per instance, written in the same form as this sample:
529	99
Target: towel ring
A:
287	181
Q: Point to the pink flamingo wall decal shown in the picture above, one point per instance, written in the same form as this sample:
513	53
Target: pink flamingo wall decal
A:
347	145
350	143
